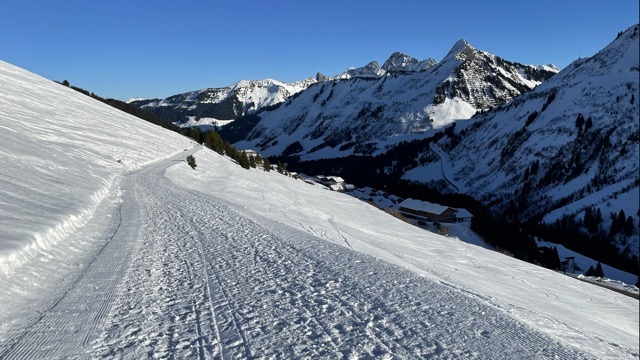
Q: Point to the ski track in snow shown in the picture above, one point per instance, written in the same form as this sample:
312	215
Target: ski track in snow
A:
69	322
189	276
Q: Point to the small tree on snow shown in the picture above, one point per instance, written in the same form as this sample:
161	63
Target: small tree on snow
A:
597	272
191	161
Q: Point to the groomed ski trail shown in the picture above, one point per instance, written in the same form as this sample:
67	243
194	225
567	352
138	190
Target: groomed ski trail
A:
190	276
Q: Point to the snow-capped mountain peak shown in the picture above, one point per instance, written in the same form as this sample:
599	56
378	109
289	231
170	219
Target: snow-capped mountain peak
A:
409	97
569	145
458	48
399	62
208	107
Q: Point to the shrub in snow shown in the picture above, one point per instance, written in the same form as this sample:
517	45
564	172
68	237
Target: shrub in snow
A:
191	161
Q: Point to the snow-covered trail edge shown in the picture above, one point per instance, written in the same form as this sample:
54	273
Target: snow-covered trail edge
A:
577	315
189	276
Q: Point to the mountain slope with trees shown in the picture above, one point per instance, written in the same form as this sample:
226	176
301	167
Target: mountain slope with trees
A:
565	155
363	115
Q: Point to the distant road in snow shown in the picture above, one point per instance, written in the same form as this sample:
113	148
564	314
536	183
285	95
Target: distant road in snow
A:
443	159
185	275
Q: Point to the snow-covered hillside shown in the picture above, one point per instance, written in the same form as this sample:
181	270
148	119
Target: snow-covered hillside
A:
221	262
61	152
572	143
208	107
365	109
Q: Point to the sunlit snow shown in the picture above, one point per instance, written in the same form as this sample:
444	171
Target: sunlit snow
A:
113	247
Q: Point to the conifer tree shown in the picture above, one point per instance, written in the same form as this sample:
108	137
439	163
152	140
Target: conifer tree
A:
191	161
266	164
213	141
243	160
629	227
588	124
598	270
556	259
580	121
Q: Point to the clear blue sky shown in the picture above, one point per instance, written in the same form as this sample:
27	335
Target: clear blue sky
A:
135	48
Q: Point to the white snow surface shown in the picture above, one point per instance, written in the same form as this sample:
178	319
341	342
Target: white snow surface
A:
61	152
221	262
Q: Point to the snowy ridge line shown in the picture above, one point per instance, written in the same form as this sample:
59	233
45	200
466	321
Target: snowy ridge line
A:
45	240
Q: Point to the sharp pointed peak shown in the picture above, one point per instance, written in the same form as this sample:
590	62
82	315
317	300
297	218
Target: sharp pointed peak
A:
458	47
398	53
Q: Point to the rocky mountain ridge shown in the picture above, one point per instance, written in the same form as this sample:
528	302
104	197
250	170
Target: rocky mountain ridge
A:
213	107
566	151
216	106
364	114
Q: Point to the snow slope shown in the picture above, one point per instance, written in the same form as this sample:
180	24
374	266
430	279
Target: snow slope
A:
61	152
550	302
222	262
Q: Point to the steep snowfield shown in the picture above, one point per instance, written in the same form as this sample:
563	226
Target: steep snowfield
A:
60	154
222	262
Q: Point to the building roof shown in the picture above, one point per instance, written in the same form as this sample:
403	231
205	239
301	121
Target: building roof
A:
463	213
423	206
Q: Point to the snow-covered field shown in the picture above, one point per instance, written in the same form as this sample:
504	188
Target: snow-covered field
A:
222	262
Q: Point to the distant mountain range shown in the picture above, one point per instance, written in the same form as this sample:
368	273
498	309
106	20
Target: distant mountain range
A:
529	142
218	106
363	110
412	95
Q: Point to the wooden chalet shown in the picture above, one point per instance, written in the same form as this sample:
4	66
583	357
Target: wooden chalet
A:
427	211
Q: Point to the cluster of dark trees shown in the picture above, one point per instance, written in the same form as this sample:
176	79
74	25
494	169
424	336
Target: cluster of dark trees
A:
212	140
621	225
594	242
597	271
588	124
